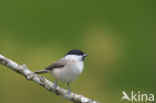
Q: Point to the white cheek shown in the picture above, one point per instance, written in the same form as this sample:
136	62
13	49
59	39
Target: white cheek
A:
74	57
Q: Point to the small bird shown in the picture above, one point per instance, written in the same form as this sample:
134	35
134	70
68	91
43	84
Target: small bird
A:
68	68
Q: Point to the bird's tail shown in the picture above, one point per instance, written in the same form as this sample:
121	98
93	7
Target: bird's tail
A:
41	71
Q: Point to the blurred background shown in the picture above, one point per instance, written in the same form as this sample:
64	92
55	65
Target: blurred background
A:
118	35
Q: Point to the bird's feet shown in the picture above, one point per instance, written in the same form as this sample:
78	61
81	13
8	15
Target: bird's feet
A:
69	91
55	84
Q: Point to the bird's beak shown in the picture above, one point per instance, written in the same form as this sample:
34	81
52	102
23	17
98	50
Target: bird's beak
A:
85	55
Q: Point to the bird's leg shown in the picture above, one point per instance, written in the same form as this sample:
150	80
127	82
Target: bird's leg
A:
55	85
69	90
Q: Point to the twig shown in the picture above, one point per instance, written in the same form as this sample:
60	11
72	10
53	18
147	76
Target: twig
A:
29	75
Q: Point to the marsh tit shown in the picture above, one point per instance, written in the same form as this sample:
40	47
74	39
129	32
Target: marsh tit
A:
68	68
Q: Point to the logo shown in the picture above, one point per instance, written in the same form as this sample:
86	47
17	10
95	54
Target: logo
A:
137	96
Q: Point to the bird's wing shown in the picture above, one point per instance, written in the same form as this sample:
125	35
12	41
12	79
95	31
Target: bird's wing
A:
58	64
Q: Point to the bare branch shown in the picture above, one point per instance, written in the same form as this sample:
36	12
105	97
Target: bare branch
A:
23	70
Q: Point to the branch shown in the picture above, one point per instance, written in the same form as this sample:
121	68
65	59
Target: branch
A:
45	83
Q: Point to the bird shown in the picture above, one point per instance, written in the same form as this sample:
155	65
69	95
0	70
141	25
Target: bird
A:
66	69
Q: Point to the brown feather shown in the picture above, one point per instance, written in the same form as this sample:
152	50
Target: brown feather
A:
58	64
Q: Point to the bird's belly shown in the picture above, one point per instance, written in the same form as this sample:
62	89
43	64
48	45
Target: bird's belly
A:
68	74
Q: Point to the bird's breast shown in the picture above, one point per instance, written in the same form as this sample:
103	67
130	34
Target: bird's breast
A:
69	73
77	68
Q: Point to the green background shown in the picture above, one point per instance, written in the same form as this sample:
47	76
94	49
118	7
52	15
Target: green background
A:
118	35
